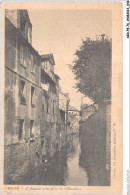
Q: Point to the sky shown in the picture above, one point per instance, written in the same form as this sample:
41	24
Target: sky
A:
60	32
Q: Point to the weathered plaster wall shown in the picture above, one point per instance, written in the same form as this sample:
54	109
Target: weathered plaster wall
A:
20	158
20	155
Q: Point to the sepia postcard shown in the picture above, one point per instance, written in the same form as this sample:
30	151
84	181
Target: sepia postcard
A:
62	97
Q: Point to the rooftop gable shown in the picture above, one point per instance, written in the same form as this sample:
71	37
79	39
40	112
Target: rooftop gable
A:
49	57
24	13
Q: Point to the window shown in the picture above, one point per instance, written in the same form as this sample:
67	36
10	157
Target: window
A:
42	110
53	89
47	107
21	55
21	129
22	23
31	128
32	64
28	57
53	107
22	92
33	96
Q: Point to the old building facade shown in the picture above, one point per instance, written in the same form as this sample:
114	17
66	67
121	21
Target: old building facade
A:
73	120
50	121
33	131
22	96
63	111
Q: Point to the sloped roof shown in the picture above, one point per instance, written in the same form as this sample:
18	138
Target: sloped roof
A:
48	57
71	115
85	106
10	28
57	76
72	108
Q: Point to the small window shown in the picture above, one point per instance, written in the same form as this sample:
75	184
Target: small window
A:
33	96
47	107
22	23
32	65
21	129
42	110
21	55
31	128
22	92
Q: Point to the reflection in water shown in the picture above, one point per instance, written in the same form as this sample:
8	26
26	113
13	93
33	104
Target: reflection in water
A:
76	175
63	169
78	163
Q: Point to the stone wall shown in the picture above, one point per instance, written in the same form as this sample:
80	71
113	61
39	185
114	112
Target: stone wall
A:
14	110
52	131
20	158
41	134
20	153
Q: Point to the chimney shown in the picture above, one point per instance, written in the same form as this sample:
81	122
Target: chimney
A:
103	35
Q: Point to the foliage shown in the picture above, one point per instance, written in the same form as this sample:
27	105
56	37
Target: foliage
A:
92	69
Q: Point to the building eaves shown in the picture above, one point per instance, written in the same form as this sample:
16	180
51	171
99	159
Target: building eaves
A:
48	57
72	108
57	76
21	36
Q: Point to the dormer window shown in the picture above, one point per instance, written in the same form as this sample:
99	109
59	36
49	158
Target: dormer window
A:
23	55
22	23
26	26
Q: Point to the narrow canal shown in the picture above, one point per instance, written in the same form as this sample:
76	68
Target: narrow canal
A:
63	169
79	163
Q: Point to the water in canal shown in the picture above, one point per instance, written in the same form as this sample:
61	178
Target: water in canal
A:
63	169
71	166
